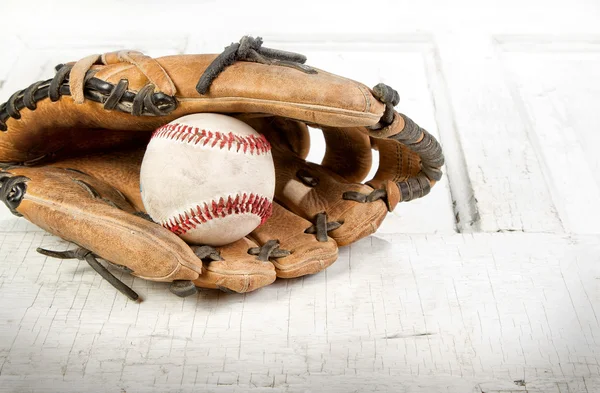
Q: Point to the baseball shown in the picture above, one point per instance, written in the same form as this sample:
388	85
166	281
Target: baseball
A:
208	178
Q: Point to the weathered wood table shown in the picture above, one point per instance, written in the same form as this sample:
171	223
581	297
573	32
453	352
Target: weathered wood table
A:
490	284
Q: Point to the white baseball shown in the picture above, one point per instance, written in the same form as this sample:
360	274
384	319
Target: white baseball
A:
209	178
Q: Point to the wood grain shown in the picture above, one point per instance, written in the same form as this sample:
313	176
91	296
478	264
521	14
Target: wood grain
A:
490	284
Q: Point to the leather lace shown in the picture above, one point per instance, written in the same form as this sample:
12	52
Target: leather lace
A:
86	255
322	227
144	102
416	139
208	253
269	250
250	49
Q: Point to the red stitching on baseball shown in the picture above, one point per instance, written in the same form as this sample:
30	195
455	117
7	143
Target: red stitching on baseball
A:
254	204
248	144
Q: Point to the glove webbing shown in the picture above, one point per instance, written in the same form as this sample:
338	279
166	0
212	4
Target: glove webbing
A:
145	102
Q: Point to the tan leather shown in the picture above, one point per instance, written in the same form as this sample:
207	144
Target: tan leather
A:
19	147
119	168
393	194
57	200
396	127
107	145
396	162
246	87
348	152
77	77
359	219
297	137
308	255
149	67
239	271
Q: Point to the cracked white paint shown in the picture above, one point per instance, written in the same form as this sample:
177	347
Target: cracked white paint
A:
509	305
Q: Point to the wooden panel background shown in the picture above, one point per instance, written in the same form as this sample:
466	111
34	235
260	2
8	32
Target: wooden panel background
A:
490	284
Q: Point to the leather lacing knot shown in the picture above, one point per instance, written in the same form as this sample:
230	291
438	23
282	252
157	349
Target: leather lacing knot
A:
307	178
411	188
269	250
250	49
390	98
322	227
208	253
356	196
145	102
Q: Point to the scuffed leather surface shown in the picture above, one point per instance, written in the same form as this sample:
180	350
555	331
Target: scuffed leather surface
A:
244	87
358	219
278	101
57	202
238	271
308	256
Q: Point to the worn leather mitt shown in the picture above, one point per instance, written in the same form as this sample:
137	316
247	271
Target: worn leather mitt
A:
71	149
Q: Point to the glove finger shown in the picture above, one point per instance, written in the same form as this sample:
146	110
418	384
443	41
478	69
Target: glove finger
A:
347	150
348	153
88	212
283	240
236	271
294	134
289	252
310	190
397	164
131	92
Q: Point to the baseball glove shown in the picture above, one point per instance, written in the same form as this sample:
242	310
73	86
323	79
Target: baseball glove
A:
71	149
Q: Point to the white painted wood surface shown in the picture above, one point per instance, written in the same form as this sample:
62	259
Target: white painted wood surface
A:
503	300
